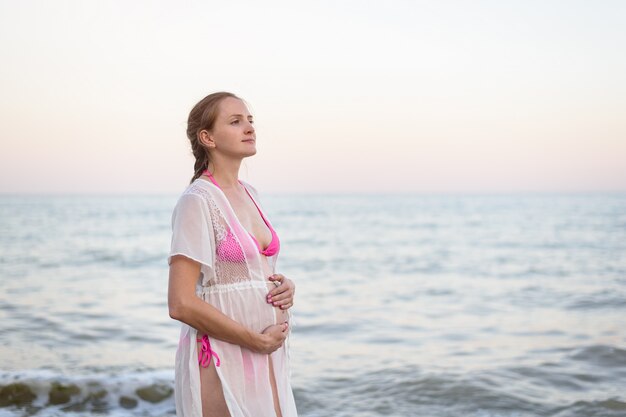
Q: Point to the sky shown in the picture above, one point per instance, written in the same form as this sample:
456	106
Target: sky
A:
348	96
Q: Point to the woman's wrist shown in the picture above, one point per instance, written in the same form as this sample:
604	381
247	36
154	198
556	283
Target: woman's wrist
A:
253	340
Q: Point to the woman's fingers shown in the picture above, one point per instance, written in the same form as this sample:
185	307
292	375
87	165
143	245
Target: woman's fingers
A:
284	285
275	335
281	296
278	280
281	293
282	302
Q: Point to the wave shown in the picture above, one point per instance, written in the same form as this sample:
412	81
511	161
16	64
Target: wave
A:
548	389
45	393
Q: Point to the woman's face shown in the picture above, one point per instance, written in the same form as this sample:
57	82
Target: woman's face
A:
233	133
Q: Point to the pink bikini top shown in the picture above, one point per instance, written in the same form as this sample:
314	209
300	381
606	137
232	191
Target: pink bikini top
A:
229	250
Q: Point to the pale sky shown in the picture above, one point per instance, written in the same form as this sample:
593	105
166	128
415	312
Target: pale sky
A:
348	96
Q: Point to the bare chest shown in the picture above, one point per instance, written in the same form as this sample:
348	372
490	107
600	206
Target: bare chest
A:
249	216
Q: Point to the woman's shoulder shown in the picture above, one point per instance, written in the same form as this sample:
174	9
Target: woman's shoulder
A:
196	193
200	188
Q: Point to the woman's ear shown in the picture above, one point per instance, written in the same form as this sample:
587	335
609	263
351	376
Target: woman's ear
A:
206	139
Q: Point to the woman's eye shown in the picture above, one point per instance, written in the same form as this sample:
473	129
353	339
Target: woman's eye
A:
234	121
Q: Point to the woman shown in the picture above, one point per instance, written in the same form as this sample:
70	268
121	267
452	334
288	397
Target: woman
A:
232	358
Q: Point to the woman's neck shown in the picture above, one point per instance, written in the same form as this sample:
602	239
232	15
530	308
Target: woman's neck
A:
226	174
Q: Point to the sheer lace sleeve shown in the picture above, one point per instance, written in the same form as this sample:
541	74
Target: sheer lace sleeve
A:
191	221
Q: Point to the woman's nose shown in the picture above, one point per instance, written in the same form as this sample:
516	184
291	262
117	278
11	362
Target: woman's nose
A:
249	128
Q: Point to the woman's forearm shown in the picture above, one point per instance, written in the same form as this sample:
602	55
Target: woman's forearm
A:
209	320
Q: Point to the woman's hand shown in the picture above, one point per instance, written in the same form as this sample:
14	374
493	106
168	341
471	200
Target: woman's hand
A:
282	295
272	338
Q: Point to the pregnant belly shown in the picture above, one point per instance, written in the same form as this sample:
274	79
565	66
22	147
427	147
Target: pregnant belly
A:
248	305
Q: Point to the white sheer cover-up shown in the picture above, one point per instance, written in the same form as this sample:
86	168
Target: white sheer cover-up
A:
201	220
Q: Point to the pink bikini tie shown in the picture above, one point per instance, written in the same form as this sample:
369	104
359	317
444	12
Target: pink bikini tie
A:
204	356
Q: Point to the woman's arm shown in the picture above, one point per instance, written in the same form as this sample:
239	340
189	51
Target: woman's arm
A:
185	306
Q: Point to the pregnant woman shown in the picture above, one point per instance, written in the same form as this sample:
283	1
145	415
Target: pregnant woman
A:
232	358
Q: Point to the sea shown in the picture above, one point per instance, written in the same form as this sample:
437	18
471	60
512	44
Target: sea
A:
429	305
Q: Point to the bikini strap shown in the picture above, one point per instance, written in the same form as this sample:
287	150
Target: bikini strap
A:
208	174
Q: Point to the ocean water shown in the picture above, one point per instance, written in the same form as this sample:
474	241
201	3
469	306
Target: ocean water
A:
406	305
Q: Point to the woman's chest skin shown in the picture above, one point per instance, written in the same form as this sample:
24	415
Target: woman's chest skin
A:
250	218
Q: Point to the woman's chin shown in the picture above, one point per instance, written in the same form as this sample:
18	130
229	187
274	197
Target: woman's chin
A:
250	152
